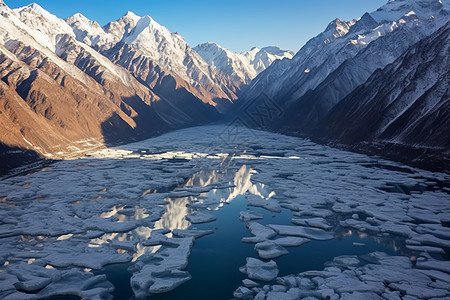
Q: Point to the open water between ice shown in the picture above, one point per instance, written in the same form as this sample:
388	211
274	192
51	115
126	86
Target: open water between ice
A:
202	214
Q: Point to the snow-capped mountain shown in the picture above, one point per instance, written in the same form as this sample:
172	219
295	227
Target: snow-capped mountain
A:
311	107
155	55
334	63
148	50
60	97
90	32
406	104
242	66
288	80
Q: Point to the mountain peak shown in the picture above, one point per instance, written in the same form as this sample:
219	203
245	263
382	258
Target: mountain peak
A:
130	16
395	9
338	26
34	6
78	17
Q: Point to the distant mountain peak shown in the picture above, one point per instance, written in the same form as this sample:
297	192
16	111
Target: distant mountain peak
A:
243	66
35	6
78	16
130	14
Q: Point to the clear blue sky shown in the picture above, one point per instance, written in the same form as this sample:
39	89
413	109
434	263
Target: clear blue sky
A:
235	24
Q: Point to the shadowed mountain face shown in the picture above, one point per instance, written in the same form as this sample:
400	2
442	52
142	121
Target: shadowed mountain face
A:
13	157
405	105
334	91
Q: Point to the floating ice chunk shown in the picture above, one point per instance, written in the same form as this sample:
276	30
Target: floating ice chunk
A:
437	275
260	233
381	258
419	291
431	264
168	280
250	215
315	212
181	194
259	270
359	295
269	204
359	244
158	237
281	296
162	271
396	229
313	222
427	249
242	292
77	283
249	283
290	241
195	233
33	284
429	240
310	233
60	254
435	229
359	225
200	217
108	225
350	261
269	249
124	245
423	215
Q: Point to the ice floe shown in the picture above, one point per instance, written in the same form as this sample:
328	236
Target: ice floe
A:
375	276
136	205
269	249
259	270
306	232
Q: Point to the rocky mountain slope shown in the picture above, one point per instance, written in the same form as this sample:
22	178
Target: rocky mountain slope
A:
308	90
242	67
59	96
376	39
407	104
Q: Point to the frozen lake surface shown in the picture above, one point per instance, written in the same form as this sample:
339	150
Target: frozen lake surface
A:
217	212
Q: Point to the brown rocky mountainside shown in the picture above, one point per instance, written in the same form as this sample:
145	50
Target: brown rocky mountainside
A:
64	101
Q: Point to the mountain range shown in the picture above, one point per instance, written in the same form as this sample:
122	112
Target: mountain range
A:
70	85
377	84
316	90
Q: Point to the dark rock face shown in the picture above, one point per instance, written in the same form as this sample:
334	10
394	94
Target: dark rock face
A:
401	112
404	106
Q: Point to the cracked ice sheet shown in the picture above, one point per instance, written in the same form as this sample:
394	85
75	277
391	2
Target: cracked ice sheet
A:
350	277
106	209
314	181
